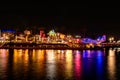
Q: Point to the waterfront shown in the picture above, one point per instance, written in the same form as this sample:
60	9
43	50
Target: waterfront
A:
24	64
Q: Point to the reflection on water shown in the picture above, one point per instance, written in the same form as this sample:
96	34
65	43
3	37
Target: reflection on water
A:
99	65
58	64
51	64
68	64
111	64
3	63
77	65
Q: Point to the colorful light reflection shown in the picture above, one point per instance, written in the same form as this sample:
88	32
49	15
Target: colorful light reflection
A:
69	64
51	64
99	65
78	66
111	64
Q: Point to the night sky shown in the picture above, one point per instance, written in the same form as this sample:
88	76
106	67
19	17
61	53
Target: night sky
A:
67	18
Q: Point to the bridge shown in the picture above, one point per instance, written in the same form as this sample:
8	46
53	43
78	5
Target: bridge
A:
41	46
11	45
110	44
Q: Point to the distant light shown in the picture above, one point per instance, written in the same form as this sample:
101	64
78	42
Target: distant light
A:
78	40
77	36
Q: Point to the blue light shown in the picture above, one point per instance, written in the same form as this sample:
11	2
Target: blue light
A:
99	65
12	31
89	40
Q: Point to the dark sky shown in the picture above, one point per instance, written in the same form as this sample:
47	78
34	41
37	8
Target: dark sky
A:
74	18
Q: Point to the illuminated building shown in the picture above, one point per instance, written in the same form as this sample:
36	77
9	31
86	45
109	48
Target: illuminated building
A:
7	34
42	35
27	33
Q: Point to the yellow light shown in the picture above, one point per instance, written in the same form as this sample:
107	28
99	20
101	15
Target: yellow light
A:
69	61
111	64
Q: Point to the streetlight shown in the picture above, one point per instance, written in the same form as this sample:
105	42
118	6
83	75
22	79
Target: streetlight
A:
111	39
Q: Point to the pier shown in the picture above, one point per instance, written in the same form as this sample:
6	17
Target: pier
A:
12	45
41	46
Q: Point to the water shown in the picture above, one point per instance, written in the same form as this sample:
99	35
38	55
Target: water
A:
33	64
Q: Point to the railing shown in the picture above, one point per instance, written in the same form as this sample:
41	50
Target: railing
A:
53	45
41	46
